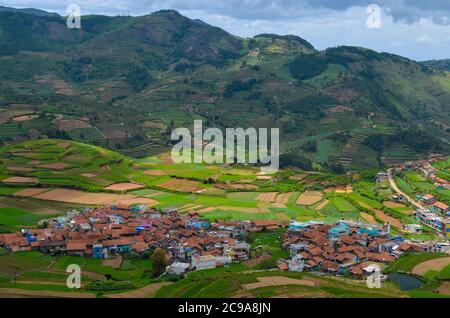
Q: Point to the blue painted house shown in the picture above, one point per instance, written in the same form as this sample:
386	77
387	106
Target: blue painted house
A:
338	230
198	223
97	251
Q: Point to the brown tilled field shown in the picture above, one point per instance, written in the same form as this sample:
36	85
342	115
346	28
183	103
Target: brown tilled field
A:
444	288
21	180
279	281
126	186
181	185
322	205
437	264
284	197
309	198
80	197
70	124
369	218
154	173
56	166
267	197
24	118
145	292
386	218
19	169
393	205
298	177
31	192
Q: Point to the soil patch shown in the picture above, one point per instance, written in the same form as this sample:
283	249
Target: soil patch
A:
80	197
279	281
309	198
145	292
437	264
21	180
30	192
386	218
124	186
267	197
56	166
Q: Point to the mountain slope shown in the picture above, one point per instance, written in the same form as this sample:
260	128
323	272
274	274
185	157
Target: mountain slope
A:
126	82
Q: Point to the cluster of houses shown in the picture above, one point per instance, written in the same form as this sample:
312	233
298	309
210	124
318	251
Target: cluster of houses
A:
191	243
427	169
340	248
435	214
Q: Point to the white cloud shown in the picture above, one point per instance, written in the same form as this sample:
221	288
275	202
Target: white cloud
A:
409	27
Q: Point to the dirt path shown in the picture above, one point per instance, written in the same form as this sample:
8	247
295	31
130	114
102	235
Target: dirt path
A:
444	288
40	293
279	281
437	264
145	292
399	192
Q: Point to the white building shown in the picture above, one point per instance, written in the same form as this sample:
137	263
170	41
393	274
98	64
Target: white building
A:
203	262
296	263
178	268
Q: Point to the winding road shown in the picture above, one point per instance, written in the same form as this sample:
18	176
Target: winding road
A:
399	192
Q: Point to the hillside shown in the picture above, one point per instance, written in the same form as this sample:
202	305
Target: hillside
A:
125	82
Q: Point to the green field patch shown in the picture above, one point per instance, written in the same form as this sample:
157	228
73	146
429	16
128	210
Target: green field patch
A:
408	261
12	218
343	205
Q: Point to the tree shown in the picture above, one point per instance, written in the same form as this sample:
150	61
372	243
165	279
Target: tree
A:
159	262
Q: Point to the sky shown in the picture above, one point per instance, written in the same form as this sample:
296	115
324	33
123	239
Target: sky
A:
417	29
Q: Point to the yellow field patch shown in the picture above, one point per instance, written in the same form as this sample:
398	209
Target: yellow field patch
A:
284	197
393	205
278	205
279	281
369	218
309	198
56	166
267	196
154	173
124	186
322	205
298	177
206	210
31	192
80	197
437	264
21	180
20	169
386	218
181	185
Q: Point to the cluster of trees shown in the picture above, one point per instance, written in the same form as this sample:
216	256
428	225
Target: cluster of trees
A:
183	67
139	78
310	146
159	262
419	140
311	106
307	66
238	86
295	160
76	69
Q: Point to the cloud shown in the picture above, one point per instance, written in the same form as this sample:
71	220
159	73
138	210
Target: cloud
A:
409	27
408	11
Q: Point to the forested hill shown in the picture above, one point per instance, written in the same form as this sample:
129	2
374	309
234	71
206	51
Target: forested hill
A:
125	82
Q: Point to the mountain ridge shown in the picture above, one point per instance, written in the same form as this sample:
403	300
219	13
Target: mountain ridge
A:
126	82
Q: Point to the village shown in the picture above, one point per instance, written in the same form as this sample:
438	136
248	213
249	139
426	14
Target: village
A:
192	243
347	247
429	210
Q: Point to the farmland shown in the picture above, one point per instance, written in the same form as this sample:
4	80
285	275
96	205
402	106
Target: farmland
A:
70	175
